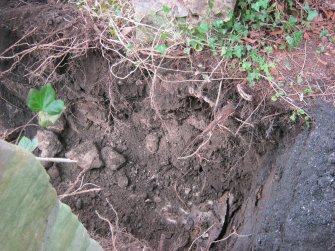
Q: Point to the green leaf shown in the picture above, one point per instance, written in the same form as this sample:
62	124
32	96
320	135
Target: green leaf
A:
289	40
238	51
166	9
38	99
32	218
301	112
197	45
161	48
130	46
27	144
295	39
252	77
45	119
306	6
312	14
44	100
246	65
307	91
293	116
165	36
324	33
274	98
203	27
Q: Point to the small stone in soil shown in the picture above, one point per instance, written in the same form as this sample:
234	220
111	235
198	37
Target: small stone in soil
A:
152	142
331	158
79	204
122	181
53	172
86	154
112	159
48	143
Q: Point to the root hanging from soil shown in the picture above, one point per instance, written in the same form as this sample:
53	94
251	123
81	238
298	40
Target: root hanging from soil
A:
120	240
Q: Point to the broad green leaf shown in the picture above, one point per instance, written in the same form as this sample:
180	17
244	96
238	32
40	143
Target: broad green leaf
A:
45	100
203	27
324	33
161	48
39	99
165	36
166	9
289	40
312	14
27	144
32	218
44	119
246	66
238	51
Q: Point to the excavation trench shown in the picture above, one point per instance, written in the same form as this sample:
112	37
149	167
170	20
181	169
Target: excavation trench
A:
182	163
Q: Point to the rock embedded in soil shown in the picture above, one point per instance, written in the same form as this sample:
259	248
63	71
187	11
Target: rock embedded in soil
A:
59	126
112	159
122	181
331	158
48	143
79	204
86	154
53	172
152	142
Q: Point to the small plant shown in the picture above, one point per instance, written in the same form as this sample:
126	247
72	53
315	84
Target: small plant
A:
324	33
294	40
44	102
301	113
277	96
49	109
300	80
320	50
311	14
161	48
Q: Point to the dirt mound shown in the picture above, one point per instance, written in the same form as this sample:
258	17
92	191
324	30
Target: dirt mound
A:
182	162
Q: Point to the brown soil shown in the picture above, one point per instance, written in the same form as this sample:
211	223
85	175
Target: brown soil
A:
169	172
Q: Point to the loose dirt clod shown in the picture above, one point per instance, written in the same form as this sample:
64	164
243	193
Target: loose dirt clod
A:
53	172
86	154
113	160
122	181
152	142
48	143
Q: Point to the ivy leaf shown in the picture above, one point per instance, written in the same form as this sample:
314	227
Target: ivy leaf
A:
161	48
27	144
166	9
312	14
238	51
45	100
203	28
246	66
